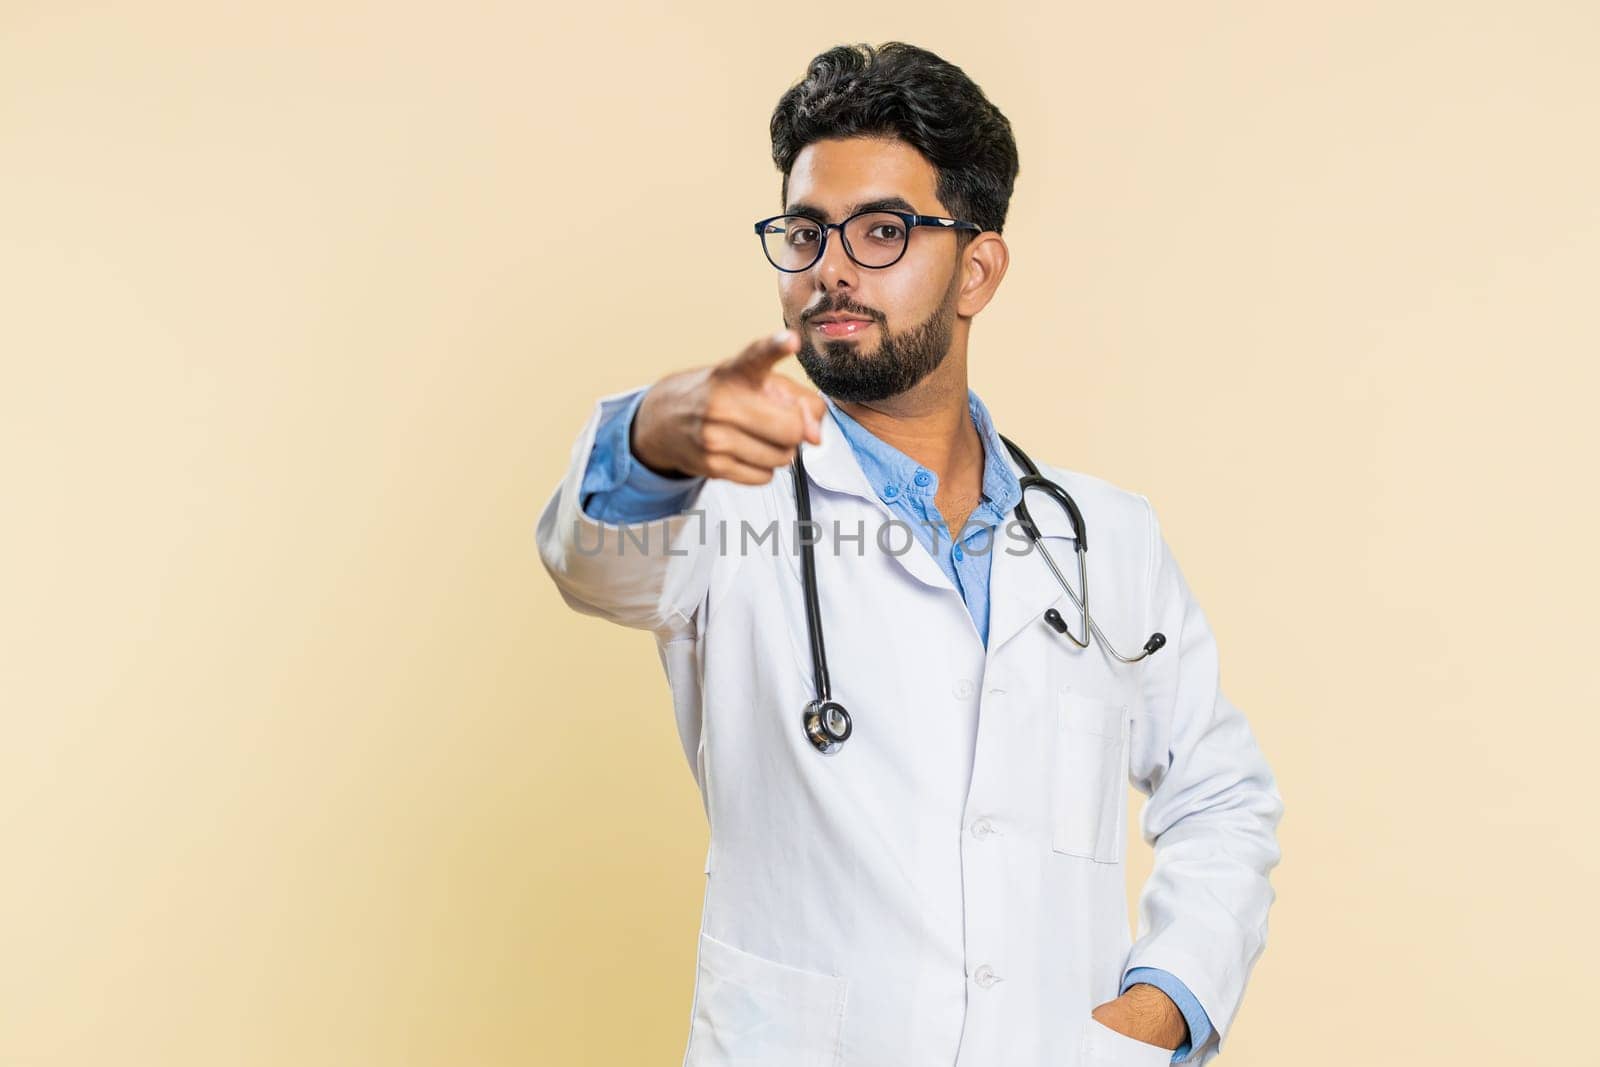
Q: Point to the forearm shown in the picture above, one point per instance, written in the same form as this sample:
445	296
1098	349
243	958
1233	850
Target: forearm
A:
1211	816
648	575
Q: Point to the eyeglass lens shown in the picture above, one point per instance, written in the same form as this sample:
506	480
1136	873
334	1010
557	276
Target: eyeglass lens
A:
875	239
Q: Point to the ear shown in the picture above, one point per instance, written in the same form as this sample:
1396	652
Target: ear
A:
983	264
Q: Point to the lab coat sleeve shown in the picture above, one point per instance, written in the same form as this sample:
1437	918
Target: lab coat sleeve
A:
1211	815
650	575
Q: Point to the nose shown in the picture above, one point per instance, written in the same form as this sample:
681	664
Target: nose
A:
834	267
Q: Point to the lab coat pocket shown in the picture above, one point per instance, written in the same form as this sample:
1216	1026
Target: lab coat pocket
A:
1089	796
1105	1047
752	1010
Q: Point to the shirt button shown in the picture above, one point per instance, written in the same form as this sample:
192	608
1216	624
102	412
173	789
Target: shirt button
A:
985	976
891	491
963	689
922	478
958	552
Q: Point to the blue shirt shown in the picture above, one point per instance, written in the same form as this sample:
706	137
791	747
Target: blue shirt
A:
618	488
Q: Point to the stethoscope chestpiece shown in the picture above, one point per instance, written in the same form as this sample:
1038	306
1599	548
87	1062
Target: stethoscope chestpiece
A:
827	725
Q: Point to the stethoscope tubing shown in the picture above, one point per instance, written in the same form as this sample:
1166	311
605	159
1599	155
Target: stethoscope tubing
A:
827	723
808	578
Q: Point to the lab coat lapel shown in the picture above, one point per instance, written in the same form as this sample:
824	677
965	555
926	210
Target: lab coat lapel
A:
831	465
1021	587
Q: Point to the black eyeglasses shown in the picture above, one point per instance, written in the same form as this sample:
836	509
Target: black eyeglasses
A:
873	239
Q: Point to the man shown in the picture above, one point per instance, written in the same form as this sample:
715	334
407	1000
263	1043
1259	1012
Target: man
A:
946	888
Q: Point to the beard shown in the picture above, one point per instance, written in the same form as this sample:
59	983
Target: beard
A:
841	370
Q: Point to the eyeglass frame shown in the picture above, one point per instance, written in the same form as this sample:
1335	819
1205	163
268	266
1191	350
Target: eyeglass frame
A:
911	222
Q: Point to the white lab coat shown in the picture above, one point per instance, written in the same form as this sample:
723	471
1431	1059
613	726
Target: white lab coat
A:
948	889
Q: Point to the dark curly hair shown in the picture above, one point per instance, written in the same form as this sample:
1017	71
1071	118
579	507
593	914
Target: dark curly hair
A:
903	91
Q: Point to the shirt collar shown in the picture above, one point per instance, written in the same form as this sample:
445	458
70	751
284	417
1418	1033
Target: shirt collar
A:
893	475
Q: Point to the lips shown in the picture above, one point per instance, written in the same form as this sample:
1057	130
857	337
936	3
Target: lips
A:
842	327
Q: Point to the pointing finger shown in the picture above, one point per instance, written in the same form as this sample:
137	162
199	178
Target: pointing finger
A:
760	355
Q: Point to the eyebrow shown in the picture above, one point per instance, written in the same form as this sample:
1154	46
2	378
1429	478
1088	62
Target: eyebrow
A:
885	203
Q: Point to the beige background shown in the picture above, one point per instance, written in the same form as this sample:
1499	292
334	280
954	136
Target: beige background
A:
303	759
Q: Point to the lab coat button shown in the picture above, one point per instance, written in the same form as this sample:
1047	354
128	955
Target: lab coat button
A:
985	976
963	688
983	828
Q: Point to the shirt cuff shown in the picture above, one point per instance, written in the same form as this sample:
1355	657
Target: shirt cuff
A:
617	487
1193	1014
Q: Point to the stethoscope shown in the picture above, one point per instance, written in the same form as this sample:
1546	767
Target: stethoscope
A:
827	723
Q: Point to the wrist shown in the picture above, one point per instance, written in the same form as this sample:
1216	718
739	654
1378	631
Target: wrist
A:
1147	1014
640	454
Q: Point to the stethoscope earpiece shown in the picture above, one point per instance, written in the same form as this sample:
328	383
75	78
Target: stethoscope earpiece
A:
827	724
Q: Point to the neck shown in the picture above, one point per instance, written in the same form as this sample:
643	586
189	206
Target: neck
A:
931	423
